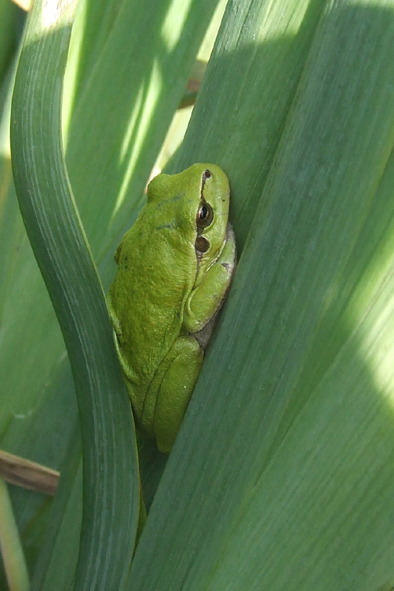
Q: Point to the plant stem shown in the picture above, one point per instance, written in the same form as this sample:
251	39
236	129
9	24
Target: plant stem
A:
10	544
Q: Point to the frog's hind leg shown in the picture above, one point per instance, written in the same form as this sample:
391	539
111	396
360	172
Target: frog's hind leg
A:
175	390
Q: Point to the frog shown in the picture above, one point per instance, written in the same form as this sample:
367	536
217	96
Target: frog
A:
174	269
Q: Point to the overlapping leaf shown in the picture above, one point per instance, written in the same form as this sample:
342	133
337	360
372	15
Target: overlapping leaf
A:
282	474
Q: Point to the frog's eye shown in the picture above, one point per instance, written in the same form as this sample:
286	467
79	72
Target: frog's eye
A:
204	215
207	174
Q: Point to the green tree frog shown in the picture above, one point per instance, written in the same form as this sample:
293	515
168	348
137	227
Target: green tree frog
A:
175	266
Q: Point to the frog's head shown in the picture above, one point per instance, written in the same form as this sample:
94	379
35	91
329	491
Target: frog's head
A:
197	202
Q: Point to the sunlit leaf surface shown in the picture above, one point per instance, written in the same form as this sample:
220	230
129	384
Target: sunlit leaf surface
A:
282	475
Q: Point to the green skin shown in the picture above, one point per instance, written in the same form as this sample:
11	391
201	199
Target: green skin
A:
174	269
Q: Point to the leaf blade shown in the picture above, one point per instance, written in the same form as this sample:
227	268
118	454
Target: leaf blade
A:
110	466
251	447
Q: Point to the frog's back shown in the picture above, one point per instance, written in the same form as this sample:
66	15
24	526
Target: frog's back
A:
156	271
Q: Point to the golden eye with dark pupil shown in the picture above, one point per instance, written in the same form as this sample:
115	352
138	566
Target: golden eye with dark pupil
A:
204	215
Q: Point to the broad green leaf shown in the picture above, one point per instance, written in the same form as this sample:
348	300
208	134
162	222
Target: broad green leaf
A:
282	475
55	568
37	419
110	472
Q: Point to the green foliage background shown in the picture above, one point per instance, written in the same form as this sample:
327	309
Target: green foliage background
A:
282	476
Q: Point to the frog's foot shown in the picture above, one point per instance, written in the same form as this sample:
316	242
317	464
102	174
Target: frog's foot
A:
181	368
